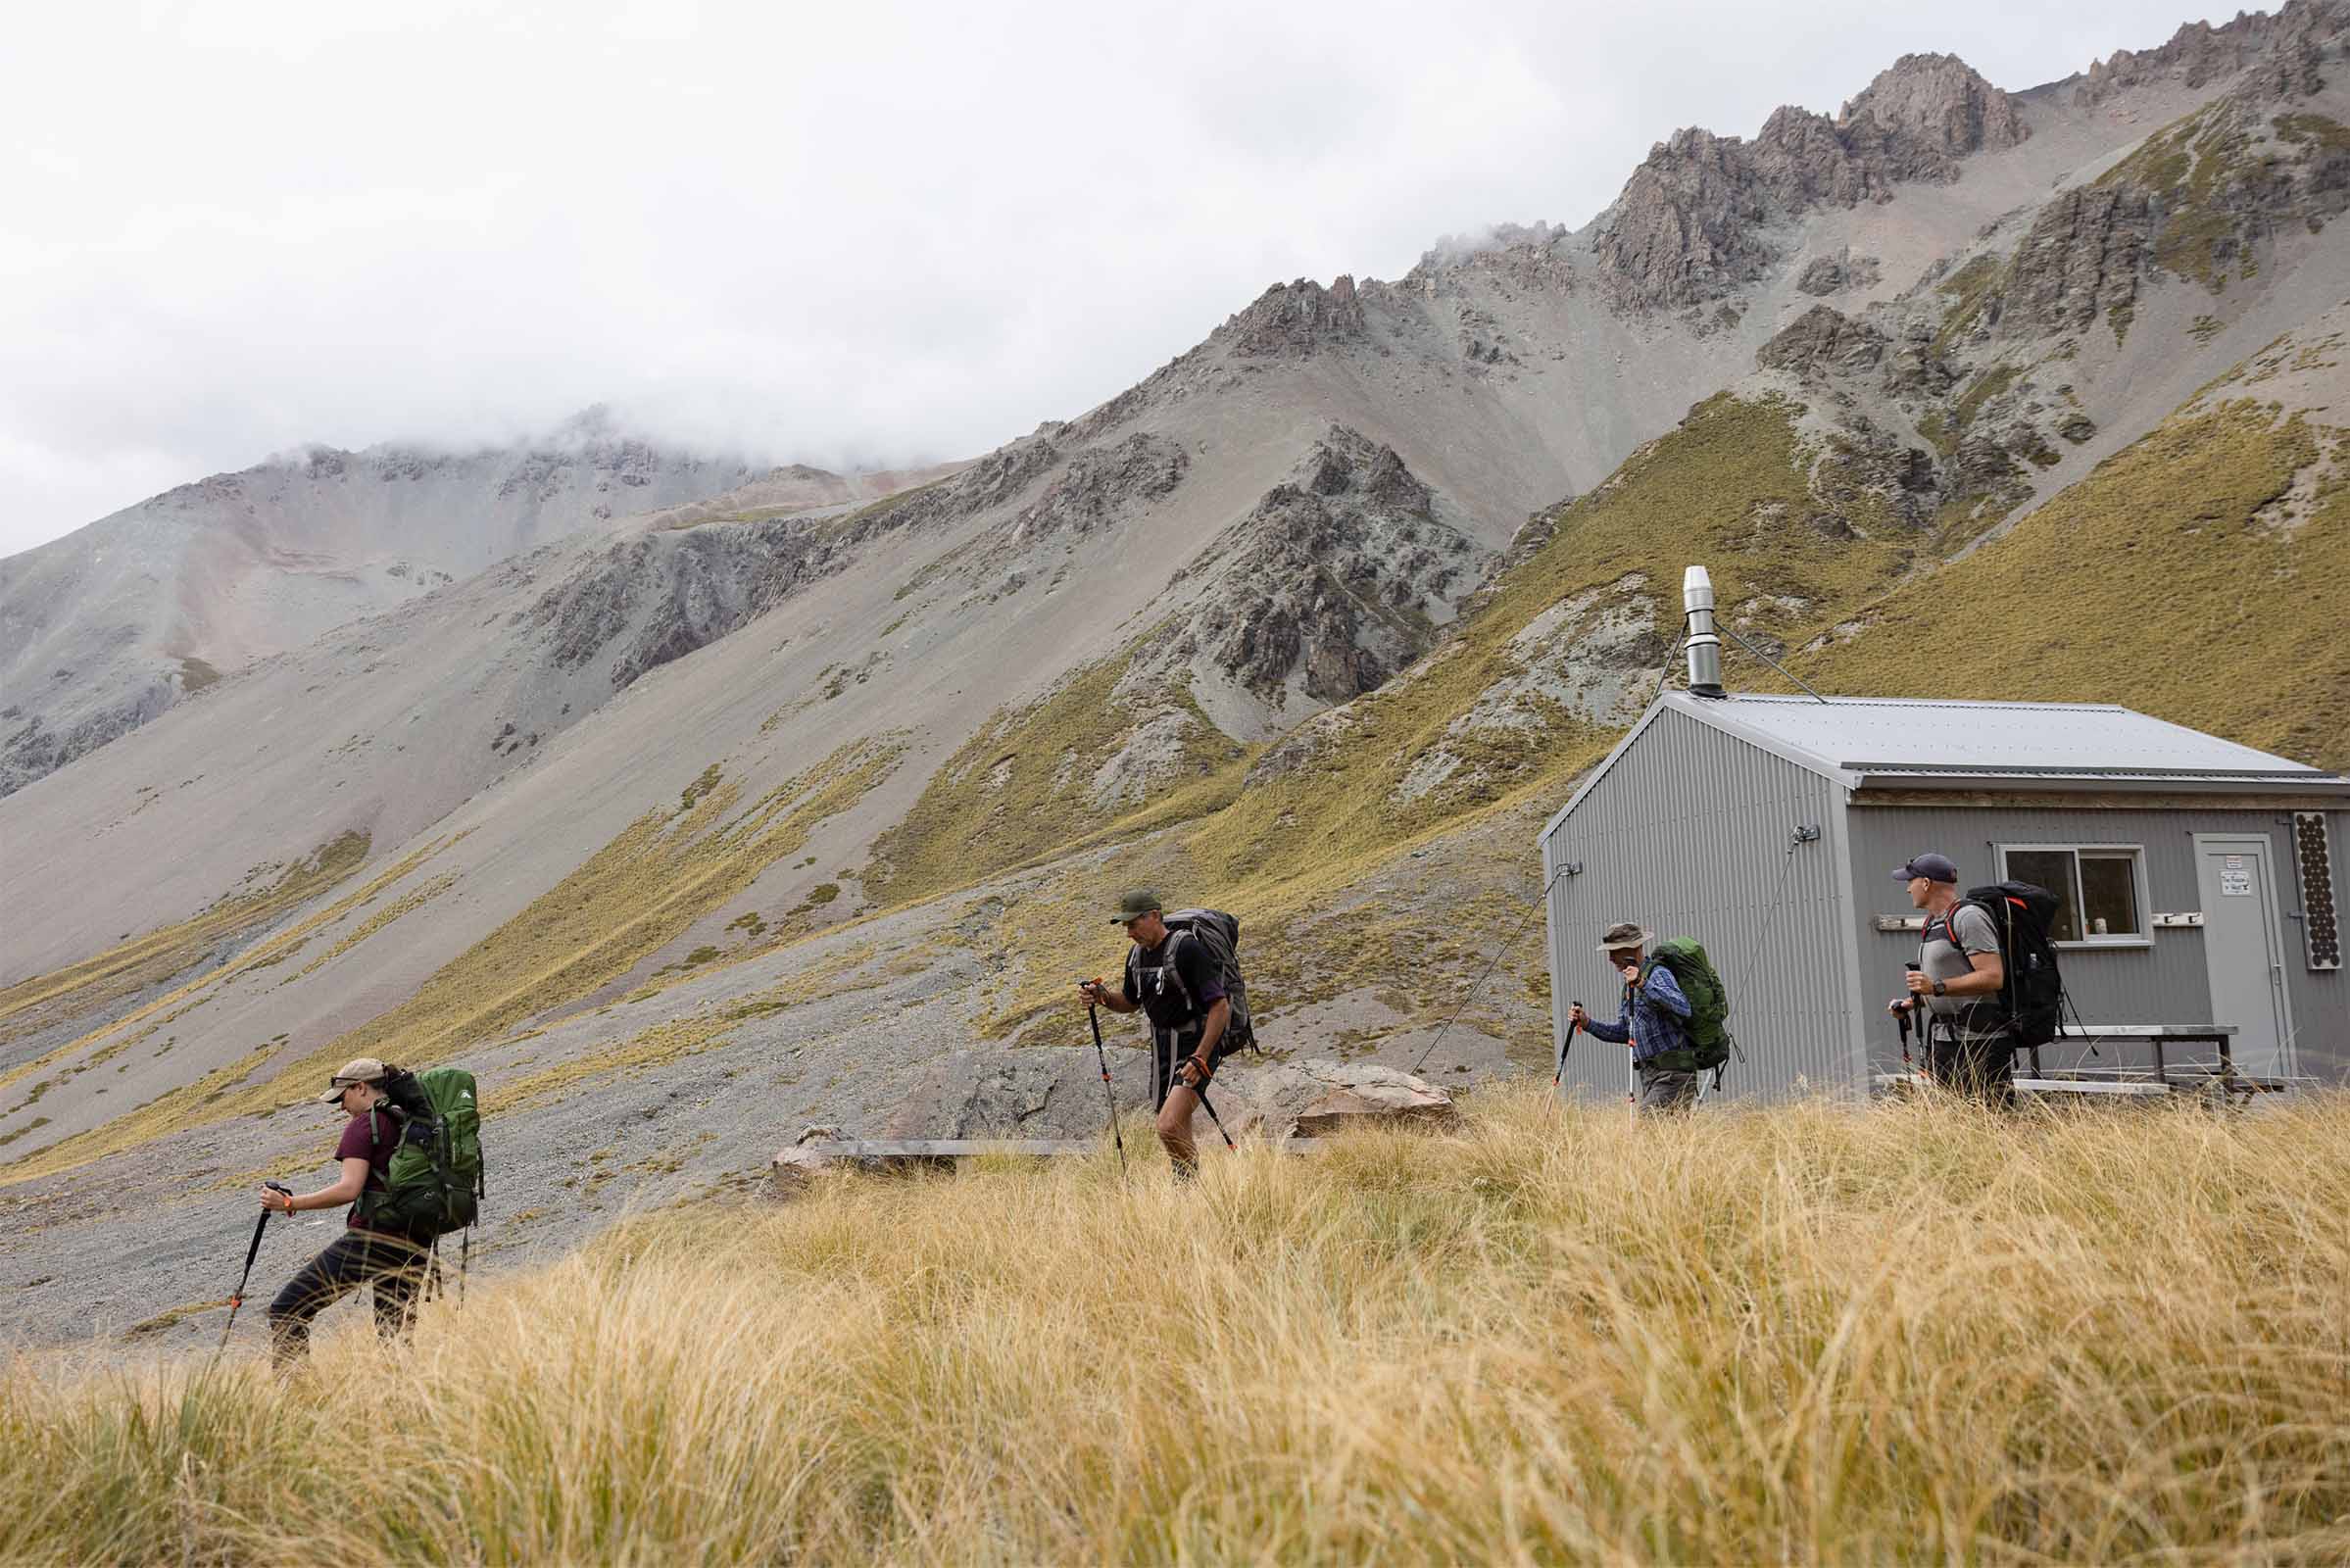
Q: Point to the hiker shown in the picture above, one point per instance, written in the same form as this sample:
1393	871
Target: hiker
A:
1955	986
1177	983
364	1253
1653	1020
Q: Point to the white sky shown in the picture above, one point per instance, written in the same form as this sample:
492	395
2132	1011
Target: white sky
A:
847	233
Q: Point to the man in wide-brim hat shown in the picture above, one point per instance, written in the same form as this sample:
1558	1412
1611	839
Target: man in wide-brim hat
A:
1653	1019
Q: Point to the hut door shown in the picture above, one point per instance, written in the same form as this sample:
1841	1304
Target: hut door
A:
2245	947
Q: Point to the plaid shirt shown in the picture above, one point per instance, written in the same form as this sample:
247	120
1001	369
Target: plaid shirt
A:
1654	1016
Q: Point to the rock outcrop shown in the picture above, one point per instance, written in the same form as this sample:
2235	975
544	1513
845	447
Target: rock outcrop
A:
1099	487
1291	320
1919	118
1330	583
1820	341
657	596
1319	1098
2081	260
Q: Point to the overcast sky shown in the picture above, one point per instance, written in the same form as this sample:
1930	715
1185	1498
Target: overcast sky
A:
848	232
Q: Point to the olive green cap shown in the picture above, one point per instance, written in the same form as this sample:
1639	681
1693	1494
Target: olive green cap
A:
1135	904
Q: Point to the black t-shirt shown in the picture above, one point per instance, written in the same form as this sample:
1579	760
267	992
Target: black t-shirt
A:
1148	983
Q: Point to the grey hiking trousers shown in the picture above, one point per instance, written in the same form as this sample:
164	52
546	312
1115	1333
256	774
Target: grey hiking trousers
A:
1666	1093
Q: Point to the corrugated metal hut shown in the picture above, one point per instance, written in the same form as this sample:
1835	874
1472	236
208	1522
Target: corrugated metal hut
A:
2195	875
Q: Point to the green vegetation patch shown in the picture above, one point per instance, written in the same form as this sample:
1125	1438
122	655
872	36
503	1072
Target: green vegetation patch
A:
1969	289
1020	787
195	674
2219	175
1986	386
144	961
2151	582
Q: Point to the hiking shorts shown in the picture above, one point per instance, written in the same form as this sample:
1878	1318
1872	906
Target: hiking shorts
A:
1168	1048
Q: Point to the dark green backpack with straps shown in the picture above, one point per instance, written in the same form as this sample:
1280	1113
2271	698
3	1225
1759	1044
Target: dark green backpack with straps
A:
433	1182
1708	1022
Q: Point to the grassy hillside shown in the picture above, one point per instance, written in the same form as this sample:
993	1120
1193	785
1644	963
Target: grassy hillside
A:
1479	732
1919	1336
2197	575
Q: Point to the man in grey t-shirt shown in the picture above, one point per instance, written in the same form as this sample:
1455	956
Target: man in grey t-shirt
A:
1958	984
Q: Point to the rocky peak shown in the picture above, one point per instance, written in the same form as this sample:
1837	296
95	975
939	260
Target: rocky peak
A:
1292	320
1927	112
1686	228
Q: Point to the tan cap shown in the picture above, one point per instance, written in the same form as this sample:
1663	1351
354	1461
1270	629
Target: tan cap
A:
358	1070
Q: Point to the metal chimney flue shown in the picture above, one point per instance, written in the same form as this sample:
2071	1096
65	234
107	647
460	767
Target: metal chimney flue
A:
1704	643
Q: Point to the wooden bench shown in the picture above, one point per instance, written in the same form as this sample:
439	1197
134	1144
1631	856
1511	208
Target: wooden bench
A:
909	1151
2082	1038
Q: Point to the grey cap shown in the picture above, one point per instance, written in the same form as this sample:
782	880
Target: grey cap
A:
1933	867
1627	934
1138	903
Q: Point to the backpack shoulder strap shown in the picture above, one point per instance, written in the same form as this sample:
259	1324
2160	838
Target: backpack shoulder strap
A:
1175	971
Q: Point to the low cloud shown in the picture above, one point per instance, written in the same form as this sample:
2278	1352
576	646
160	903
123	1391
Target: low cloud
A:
839	235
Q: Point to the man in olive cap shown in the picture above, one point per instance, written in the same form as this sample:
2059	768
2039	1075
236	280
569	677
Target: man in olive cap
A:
1653	1019
366	1253
1172	980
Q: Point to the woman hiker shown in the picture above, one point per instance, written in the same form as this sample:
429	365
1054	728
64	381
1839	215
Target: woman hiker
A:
363	1253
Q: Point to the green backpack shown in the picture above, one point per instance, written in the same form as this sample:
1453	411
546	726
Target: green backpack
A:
433	1184
1708	1025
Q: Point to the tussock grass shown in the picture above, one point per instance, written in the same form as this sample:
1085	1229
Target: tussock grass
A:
1913	1335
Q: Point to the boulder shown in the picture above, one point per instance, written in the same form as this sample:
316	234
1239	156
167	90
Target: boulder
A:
1317	1098
820	1150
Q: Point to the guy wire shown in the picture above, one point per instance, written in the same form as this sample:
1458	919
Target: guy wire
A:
1500	952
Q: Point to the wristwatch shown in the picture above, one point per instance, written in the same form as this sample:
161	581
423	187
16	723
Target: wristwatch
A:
1940	988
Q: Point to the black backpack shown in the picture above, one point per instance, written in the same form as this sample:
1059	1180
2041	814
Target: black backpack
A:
1219	935
2022	914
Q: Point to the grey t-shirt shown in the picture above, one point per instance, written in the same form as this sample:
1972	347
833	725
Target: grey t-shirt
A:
1946	959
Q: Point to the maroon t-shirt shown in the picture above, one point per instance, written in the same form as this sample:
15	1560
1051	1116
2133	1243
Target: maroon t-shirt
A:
356	1145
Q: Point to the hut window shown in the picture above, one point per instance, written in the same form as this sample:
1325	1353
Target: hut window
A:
2096	887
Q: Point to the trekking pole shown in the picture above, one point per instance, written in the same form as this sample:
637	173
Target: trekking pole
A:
1565	1047
1094	1016
1200	1089
236	1297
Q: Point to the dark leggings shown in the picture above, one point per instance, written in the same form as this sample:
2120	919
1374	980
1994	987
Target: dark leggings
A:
354	1258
